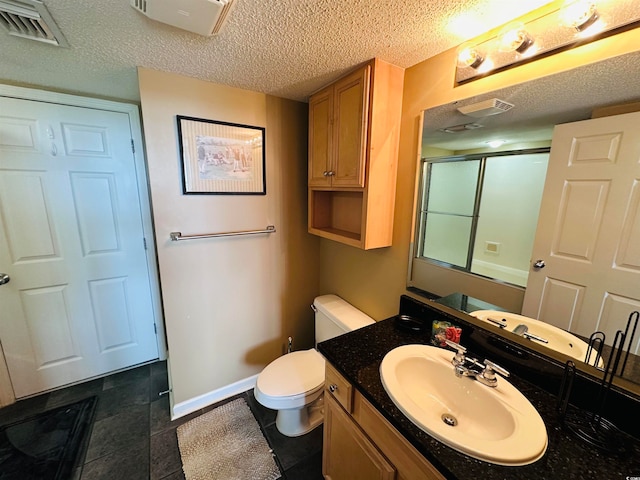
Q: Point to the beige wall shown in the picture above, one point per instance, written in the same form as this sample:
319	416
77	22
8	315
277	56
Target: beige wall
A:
373	280
230	302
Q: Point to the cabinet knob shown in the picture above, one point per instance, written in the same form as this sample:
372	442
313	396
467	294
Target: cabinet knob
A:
325	173
333	387
331	173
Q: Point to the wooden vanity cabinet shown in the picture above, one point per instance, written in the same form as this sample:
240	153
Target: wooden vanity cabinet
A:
354	128
360	444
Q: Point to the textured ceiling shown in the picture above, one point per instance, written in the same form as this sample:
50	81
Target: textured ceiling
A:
287	48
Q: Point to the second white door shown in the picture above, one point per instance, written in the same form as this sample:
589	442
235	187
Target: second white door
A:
588	231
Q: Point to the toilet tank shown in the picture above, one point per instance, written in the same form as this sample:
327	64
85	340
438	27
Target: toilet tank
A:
334	317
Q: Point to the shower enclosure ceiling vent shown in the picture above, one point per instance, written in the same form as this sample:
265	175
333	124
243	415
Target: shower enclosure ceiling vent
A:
30	19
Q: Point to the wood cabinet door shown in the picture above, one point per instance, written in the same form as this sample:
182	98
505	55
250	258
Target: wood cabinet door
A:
320	133
347	452
350	131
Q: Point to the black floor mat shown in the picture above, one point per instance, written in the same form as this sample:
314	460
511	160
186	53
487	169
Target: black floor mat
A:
47	445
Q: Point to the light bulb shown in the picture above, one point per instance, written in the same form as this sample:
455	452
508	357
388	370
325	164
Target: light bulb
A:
515	38
470	57
580	14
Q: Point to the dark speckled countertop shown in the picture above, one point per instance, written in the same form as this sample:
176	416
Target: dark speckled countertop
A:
357	355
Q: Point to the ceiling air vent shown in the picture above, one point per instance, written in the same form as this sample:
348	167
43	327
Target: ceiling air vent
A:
30	19
204	17
461	128
489	107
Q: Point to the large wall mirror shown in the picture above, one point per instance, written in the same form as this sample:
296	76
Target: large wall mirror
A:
460	173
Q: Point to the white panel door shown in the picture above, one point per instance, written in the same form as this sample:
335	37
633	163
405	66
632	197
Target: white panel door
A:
589	229
79	301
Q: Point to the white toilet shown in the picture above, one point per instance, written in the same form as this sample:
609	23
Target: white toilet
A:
293	384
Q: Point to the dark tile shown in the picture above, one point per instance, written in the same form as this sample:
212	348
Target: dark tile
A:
265	416
159	368
160	416
308	469
23	409
165	455
131	463
118	432
74	393
159	384
77	472
175	476
118	399
292	450
127	377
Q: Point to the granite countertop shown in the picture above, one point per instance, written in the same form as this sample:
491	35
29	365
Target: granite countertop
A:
357	355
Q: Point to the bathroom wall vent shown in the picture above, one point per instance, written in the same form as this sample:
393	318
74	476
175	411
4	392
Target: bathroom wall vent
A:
30	19
204	17
486	108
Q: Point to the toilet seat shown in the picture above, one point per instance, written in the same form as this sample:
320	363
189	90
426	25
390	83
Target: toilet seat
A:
291	381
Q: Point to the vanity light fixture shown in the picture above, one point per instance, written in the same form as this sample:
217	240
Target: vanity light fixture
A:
560	25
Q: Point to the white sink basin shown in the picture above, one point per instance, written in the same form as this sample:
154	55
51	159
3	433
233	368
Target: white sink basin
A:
494	424
559	340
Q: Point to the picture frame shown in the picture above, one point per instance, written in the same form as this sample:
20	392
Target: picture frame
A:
221	158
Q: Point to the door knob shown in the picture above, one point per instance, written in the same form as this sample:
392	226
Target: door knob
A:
4	278
539	264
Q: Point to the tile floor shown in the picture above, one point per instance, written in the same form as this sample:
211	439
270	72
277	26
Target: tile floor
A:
133	437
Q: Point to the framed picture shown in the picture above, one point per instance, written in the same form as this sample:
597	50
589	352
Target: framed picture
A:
220	158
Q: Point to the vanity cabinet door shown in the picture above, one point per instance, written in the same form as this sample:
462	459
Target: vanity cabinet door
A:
347	452
339	387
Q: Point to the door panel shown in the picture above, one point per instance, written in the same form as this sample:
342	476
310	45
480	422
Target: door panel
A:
628	252
114	324
50	328
30	230
93	199
561	301
79	302
589	228
578	227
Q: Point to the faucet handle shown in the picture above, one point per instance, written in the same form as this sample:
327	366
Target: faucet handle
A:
490	368
456	346
460	351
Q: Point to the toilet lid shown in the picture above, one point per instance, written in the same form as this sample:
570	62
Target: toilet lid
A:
293	374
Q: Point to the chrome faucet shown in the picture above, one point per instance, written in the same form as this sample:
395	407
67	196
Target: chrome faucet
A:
523	331
464	366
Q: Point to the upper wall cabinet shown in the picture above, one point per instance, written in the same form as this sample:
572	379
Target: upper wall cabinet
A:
353	148
338	131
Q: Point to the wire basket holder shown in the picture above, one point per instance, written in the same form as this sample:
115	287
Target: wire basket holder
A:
592	427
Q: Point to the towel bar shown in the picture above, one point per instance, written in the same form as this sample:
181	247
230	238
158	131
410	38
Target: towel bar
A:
175	236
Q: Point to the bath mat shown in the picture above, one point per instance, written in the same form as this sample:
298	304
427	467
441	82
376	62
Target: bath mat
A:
46	445
226	444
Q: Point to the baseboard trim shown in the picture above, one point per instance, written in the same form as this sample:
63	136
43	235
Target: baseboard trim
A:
196	403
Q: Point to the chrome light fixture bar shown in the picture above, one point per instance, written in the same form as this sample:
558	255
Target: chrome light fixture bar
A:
573	23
